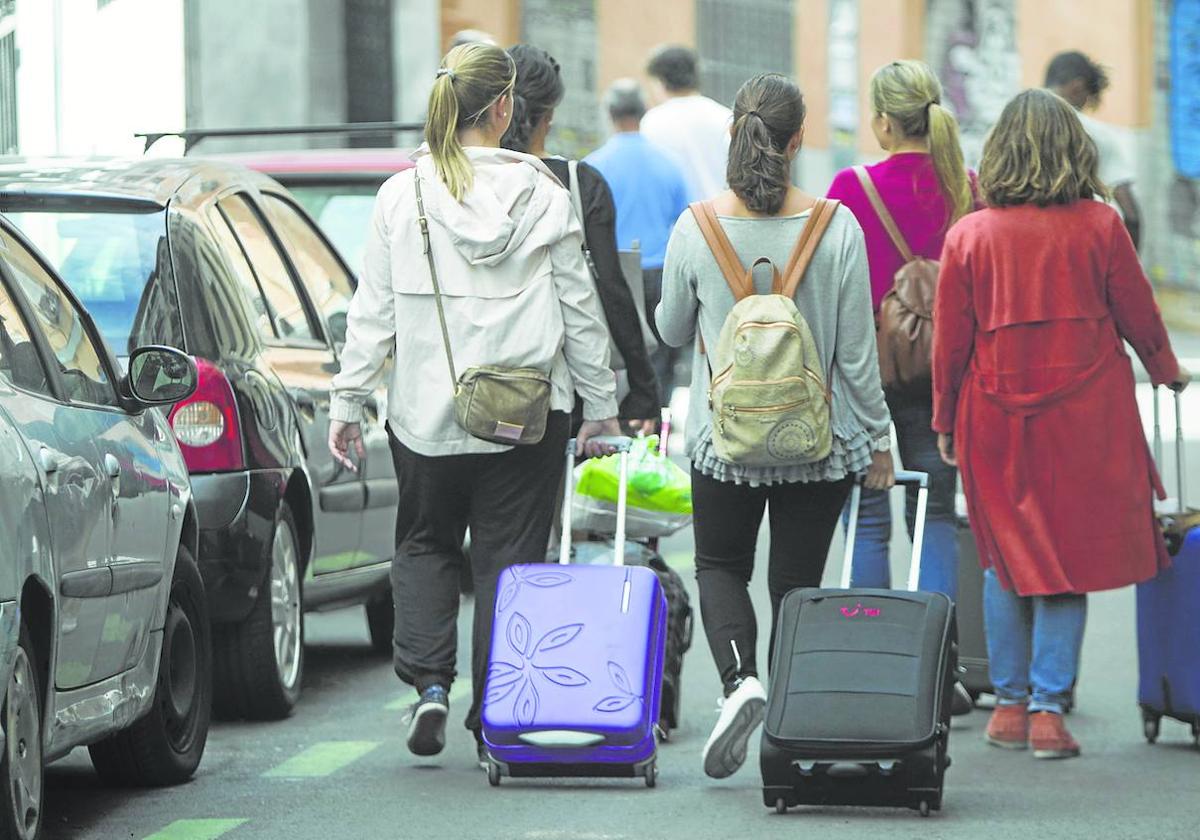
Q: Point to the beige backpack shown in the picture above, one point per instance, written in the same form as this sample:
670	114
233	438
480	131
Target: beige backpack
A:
769	396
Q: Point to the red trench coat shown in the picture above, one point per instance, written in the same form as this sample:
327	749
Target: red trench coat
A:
1030	375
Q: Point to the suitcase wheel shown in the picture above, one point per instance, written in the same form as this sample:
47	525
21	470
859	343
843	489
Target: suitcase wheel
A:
923	808
493	772
781	806
1151	724
652	774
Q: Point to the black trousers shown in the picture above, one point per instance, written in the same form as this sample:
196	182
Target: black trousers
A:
727	516
507	500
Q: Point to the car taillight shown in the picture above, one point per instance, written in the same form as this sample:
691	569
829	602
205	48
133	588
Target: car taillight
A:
206	424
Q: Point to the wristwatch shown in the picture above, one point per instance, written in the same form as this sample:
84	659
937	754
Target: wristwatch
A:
883	443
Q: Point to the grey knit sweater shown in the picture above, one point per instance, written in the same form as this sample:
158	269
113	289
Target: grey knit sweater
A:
835	299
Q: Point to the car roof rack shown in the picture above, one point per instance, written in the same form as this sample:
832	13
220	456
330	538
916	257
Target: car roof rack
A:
192	136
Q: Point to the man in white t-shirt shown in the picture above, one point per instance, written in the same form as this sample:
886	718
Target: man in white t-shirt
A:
1081	81
691	127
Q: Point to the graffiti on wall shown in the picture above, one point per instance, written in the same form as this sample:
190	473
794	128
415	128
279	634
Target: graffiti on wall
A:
972	44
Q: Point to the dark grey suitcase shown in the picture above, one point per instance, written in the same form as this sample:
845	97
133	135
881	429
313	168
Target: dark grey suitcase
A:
858	711
972	639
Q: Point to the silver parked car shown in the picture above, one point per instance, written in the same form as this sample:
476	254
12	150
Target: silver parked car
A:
104	636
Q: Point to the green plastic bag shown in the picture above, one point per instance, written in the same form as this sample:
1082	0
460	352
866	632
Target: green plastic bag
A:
655	482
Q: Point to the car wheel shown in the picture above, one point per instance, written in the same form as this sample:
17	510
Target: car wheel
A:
21	769
259	662
381	622
164	747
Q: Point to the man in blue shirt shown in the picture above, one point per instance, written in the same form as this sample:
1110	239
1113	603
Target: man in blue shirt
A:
650	193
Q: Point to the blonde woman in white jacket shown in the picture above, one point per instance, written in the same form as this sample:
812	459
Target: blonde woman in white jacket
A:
516	293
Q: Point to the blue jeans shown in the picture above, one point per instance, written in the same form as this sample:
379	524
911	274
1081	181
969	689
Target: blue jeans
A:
1033	645
939	558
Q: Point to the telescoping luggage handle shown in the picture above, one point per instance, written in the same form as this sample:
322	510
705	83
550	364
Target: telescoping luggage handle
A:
906	478
1180	462
622	445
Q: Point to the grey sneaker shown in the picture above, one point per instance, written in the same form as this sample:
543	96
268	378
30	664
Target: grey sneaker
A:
741	713
426	721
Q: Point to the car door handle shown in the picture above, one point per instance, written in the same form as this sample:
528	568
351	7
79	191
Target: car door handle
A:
48	459
113	467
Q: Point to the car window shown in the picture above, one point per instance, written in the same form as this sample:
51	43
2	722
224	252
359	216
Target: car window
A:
61	324
118	264
19	360
263	316
329	285
283	301
343	211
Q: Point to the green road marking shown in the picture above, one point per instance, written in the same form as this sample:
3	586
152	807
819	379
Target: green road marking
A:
461	688
681	559
196	830
322	759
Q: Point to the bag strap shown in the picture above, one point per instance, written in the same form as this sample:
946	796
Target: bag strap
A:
437	292
806	245
727	258
889	224
577	206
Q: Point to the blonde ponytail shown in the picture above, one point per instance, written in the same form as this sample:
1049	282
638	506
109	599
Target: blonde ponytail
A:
471	78
909	94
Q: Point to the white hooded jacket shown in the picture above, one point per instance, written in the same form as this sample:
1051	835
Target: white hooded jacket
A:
514	285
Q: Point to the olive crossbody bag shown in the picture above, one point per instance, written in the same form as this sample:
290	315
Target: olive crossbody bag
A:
491	402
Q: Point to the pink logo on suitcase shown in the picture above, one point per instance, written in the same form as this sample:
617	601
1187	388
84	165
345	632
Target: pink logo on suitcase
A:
860	610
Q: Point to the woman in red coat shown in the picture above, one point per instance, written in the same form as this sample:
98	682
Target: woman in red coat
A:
1034	399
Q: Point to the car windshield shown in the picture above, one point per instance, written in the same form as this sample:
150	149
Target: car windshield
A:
118	265
343	211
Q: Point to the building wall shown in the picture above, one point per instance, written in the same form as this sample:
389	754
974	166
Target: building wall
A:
628	30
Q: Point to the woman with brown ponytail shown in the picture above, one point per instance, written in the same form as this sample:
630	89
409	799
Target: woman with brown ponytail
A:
925	187
763	214
515	292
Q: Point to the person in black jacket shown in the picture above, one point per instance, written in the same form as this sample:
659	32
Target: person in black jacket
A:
538	92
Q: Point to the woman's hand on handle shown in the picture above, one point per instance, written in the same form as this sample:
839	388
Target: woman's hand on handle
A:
881	475
946	449
596	428
343	436
1181	380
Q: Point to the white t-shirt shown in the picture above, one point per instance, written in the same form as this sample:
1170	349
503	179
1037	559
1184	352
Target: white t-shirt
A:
695	131
1115	169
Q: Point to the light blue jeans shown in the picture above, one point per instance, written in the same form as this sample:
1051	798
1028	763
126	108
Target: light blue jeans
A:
1033	645
939	558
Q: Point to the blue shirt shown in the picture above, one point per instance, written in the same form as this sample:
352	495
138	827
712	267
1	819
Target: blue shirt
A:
648	190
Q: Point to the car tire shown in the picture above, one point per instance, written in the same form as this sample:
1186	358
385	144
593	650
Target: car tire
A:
381	622
165	746
22	770
256	672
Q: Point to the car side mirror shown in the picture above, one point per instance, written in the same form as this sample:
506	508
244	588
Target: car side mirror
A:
161	375
337	328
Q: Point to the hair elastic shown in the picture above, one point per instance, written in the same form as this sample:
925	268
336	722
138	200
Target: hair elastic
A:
445	71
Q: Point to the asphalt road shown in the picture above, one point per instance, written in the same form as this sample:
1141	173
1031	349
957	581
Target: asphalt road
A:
338	769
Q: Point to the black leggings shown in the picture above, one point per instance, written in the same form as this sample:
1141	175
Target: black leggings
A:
726	520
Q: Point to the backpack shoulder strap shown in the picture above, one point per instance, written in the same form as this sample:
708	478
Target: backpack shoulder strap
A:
722	248
889	224
806	245
573	182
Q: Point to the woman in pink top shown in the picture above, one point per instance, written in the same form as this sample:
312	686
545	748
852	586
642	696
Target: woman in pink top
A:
926	187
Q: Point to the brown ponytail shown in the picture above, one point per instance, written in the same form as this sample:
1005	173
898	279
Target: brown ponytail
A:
767	113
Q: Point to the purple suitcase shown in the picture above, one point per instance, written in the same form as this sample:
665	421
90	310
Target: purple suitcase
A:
574	677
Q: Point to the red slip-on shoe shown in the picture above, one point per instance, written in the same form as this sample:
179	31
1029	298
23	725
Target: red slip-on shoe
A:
1009	727
1049	737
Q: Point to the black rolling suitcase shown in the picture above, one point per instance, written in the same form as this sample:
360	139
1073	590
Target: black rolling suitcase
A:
858	711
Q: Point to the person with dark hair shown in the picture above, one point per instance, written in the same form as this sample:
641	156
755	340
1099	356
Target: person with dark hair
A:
1034	402
763	214
691	127
650	193
1082	82
538	92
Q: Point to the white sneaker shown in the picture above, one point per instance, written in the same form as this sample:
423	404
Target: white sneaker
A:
741	713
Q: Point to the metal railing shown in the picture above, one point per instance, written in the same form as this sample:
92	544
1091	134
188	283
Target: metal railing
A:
192	136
